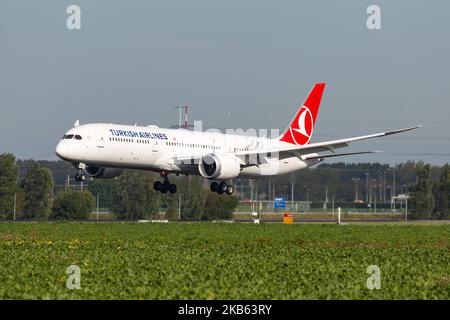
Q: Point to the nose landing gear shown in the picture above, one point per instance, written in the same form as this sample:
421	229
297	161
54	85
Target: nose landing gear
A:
80	176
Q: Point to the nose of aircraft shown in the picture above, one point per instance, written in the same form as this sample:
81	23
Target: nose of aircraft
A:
62	150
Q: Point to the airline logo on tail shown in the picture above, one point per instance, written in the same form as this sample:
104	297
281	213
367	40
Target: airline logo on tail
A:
301	128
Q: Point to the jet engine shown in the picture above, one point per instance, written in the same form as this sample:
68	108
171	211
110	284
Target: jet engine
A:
102	172
219	166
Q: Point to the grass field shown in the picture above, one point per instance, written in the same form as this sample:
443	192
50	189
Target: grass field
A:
224	261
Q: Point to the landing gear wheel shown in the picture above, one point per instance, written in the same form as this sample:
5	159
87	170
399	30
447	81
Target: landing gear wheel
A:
165	187
214	186
80	177
229	189
172	188
222	187
157	185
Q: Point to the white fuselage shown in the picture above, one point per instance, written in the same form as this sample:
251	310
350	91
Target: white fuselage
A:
158	149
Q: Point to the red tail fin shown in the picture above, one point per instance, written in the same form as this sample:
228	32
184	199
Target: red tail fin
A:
301	127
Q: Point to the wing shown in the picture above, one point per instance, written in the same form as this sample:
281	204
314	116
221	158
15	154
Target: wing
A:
302	150
285	150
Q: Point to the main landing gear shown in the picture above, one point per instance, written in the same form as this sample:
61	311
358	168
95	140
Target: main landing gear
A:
221	188
165	186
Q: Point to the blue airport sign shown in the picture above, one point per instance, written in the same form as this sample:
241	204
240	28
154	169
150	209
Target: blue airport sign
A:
279	203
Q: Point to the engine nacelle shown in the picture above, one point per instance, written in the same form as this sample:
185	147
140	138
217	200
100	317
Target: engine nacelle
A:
102	172
219	166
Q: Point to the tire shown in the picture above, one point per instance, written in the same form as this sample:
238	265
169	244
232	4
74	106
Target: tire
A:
229	189
172	188
80	177
157	185
214	186
222	187
165	187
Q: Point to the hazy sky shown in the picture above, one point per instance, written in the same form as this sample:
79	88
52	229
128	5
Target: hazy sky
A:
236	63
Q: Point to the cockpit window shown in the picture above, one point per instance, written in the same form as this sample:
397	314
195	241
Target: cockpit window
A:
78	137
63	137
69	136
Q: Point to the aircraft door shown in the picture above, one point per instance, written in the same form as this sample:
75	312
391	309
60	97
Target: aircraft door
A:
100	142
155	146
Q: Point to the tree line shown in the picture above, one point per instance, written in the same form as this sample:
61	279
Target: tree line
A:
41	191
28	191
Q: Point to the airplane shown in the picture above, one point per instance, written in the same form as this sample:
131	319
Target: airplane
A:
102	150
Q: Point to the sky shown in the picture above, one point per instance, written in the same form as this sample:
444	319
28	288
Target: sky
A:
235	63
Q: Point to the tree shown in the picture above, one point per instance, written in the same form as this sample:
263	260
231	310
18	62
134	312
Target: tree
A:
442	195
73	205
193	198
37	186
106	189
8	183
170	202
136	198
60	169
219	206
422	197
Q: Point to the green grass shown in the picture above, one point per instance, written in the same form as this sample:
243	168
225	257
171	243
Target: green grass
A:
224	261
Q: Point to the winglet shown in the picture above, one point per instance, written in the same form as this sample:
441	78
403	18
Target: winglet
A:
388	133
